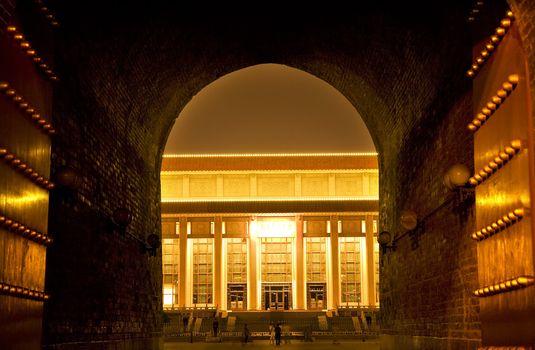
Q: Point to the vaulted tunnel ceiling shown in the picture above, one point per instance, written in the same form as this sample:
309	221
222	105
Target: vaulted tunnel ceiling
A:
146	63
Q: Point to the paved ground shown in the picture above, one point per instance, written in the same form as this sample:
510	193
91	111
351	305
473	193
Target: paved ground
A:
264	344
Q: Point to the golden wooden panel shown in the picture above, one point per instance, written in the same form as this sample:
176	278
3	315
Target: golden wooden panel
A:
236	185
349	185
315	227
315	185
202	186
169	228
275	185
200	228
351	226
236	227
171	186
22	261
506	318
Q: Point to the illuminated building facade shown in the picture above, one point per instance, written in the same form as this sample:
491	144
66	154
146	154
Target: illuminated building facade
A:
270	231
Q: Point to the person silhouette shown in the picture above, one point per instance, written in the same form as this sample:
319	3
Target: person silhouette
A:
278	333
245	333
215	325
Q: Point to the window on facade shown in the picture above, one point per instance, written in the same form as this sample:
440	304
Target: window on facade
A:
316	259
350	269
236	260
170	271
276	259
202	270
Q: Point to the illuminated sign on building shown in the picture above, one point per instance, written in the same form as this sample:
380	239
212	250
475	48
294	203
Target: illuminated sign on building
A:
273	228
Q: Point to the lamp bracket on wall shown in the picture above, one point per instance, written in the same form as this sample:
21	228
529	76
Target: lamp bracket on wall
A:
385	242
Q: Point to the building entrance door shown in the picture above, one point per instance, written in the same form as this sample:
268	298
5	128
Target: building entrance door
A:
316	294
237	296
277	297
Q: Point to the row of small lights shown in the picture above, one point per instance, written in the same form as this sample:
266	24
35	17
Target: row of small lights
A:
490	46
9	289
26	47
500	160
504	348
494	103
48	15
474	11
17	164
229	155
505	286
24	231
499	225
276	199
41	123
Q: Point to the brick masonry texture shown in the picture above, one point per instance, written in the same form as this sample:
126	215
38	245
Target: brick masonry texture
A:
126	76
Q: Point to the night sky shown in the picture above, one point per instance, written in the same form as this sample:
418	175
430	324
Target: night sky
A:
269	108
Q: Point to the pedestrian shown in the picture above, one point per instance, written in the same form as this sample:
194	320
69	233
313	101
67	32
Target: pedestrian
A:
245	333
278	332
185	321
271	333
215	325
368	317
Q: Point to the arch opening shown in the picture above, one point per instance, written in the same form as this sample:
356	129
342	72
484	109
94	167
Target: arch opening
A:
270	175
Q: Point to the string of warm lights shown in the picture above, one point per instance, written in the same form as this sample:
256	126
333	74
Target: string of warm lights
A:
504	348
23	168
491	45
505	286
48	15
18	100
474	11
25	46
24	231
269	199
499	161
231	155
21	292
495	102
499	225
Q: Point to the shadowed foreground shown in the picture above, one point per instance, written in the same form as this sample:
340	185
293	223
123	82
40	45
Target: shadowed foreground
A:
264	344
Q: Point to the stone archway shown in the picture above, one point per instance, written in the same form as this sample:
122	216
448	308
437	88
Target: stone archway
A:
123	83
